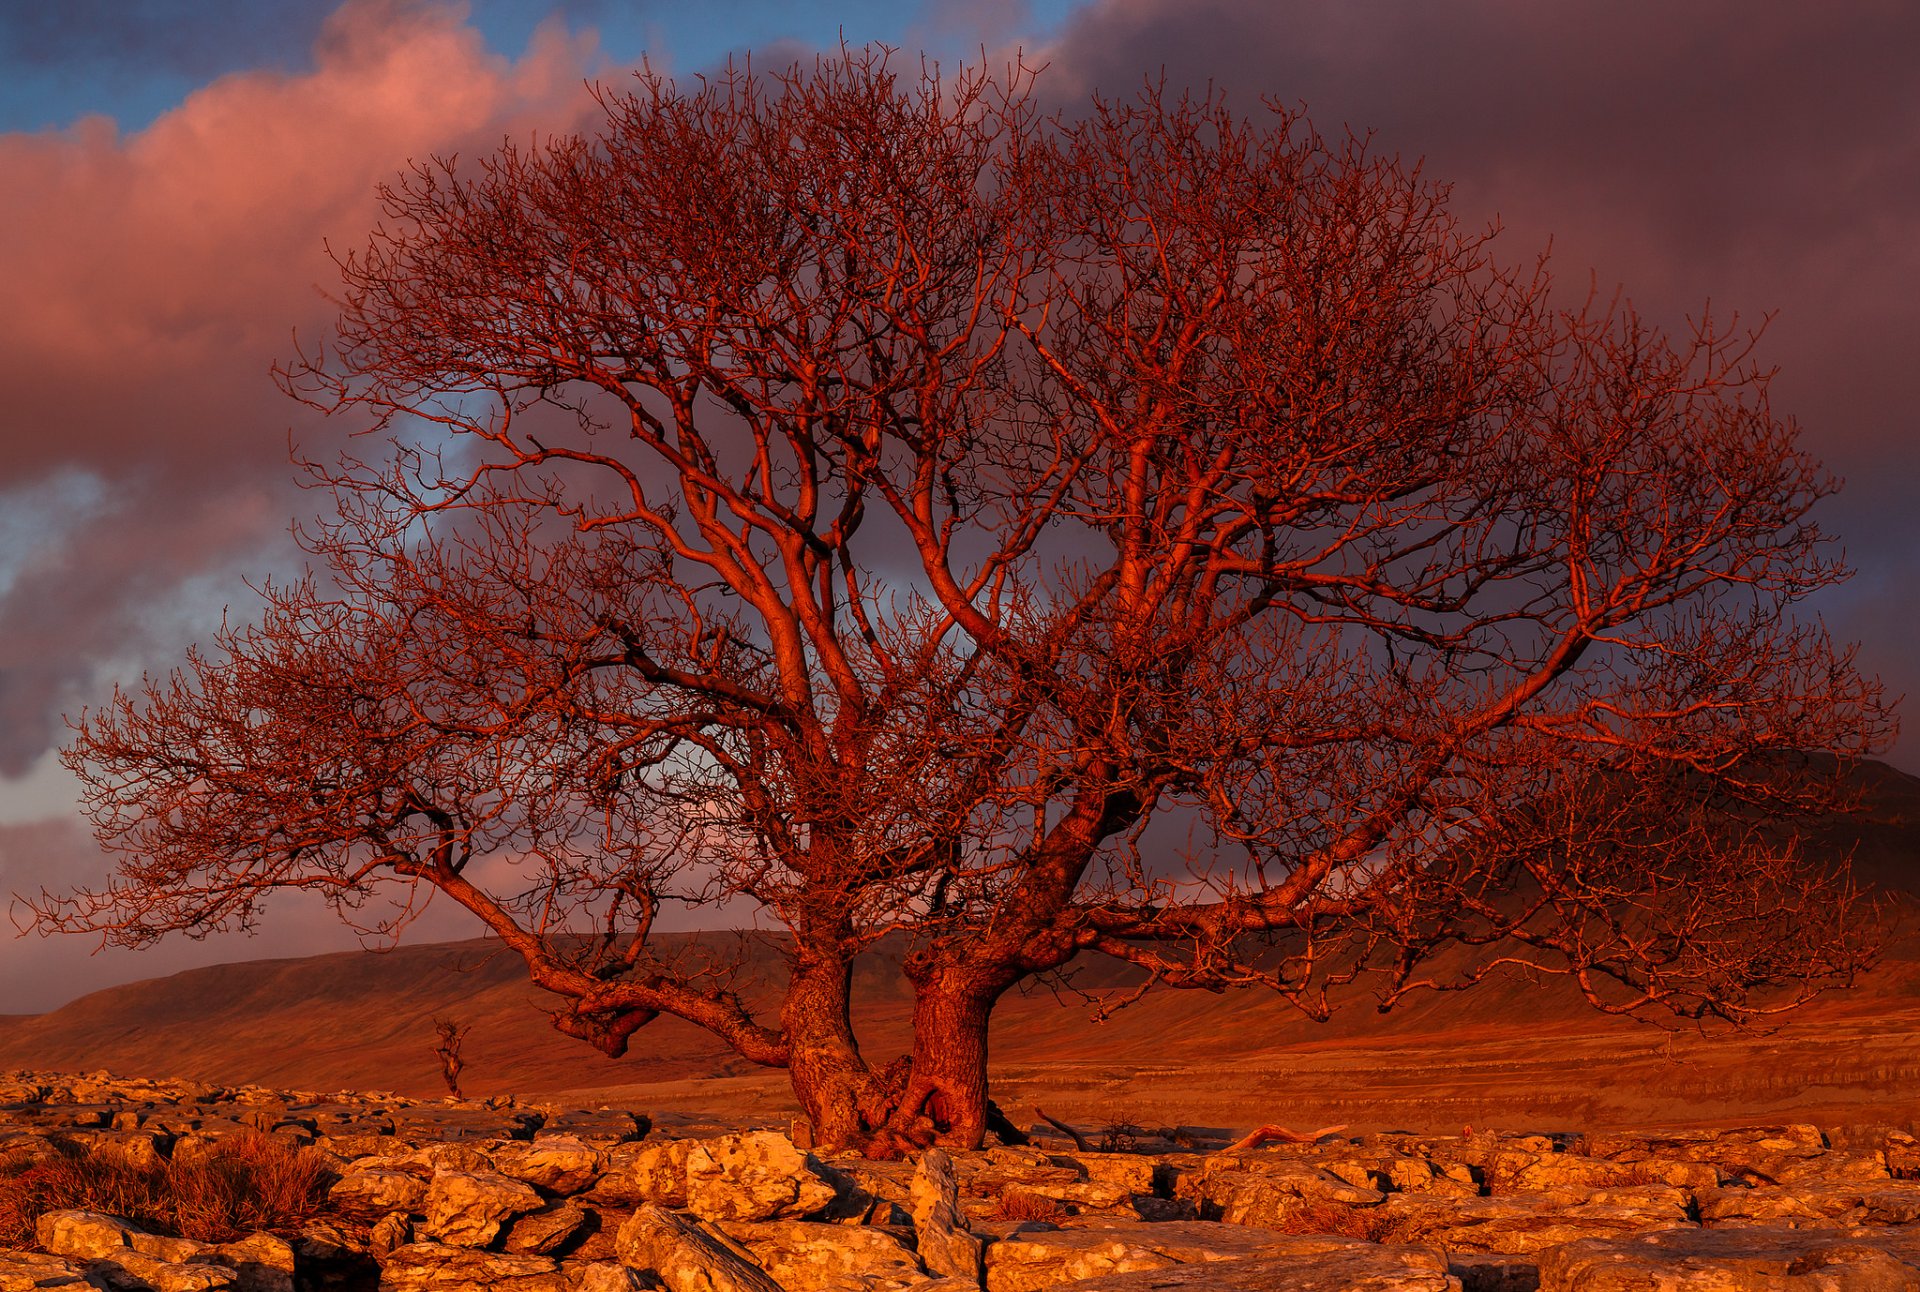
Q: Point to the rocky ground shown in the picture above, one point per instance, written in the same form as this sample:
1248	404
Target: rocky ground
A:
538	1197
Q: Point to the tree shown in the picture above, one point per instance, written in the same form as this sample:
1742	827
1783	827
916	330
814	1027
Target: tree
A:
868	504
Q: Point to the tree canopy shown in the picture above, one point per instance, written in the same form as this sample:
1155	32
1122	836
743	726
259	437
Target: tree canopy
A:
866	506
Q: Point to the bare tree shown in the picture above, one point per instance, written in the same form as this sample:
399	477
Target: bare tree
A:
453	1036
869	505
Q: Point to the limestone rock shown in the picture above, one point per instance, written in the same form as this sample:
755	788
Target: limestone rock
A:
1305	1265
136	1270
559	1165
1737	1260
435	1267
85	1234
606	1276
1034	1259
759	1175
367	1192
1811	1204
1243	1189
470	1208
685	1256
640	1173
390	1231
1520	1223
940	1227
27	1271
543	1232
805	1257
260	1262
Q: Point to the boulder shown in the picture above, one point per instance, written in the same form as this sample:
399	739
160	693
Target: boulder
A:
940	1228
686	1257
135	1270
436	1267
470	1208
260	1263
641	1173
759	1175
606	1276
28	1271
88	1235
371	1191
552	1227
804	1257
556	1164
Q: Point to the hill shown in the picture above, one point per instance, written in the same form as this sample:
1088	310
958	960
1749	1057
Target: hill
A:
1512	1050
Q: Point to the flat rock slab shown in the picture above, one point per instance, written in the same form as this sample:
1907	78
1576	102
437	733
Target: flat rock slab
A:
1304	1264
1737	1260
1036	1259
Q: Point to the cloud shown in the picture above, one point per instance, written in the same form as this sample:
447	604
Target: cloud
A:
200	40
1766	158
154	278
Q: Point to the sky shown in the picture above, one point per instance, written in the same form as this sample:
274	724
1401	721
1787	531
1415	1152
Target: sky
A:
172	171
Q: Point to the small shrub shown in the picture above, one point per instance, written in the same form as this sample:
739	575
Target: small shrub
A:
245	1184
1368	1223
1017	1204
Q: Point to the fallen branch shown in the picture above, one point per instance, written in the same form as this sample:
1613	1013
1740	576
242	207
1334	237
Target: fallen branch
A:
1268	1134
1079	1140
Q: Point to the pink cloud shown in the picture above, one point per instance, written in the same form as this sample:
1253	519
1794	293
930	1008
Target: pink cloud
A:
153	280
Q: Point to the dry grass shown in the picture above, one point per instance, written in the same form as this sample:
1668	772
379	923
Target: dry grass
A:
1018	1204
245	1184
1368	1223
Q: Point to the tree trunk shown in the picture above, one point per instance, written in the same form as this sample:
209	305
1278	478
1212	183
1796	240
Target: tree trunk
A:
945	1100
824	1065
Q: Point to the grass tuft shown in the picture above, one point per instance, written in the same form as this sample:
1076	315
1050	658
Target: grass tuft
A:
245	1184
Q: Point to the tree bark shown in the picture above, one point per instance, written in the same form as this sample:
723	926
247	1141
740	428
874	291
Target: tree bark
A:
945	1100
824	1064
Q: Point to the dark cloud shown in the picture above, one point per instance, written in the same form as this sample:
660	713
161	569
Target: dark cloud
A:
199	40
1766	158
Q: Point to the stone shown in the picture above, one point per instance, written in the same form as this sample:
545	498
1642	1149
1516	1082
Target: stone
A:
85	1234
436	1267
638	1173
367	1192
470	1208
1521	1224
27	1271
940	1227
685	1256
606	1276
132	1270
804	1257
1737	1260
260	1262
601	1127
758	1175
549	1229
1245	1189
1309	1265
1814	1204
558	1165
390	1231
1028	1260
